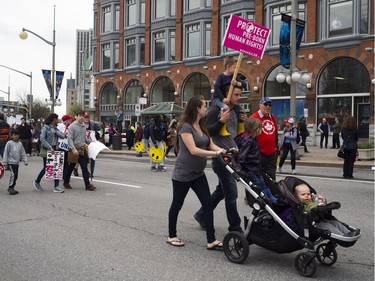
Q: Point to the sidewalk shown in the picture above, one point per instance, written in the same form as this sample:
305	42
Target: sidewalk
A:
317	157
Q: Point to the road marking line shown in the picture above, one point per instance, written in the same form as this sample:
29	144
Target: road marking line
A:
114	183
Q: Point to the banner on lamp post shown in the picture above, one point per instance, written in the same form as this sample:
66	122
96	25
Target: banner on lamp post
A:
47	79
285	38
59	79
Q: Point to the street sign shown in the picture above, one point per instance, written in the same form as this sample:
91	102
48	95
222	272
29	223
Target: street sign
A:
142	100
137	110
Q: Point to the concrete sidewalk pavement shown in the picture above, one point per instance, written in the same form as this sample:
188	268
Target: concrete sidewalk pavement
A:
318	157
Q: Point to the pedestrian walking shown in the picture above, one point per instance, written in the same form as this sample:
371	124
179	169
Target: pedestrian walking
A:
227	186
48	138
78	150
4	133
349	134
138	136
25	135
304	133
336	130
194	146
14	152
324	130
171	136
157	133
288	144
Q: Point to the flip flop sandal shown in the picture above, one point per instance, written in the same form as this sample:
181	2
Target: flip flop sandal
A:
218	246
175	242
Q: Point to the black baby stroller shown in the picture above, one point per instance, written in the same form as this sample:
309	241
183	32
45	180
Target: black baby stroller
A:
267	229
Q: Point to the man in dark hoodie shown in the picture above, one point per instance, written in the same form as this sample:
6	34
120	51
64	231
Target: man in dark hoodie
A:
4	134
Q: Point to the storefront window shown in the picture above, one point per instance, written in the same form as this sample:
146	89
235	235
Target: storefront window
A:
163	90
197	84
133	92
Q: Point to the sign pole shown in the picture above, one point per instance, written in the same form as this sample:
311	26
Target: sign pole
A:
235	75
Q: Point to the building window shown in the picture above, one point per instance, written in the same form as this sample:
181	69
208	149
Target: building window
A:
159	43
160	7
143	11
134	51
117	56
197	84
131	12
198	39
133	92
343	18
164	46
275	20
197	4
130	52
107	19
117	17
163	90
106	56
225	21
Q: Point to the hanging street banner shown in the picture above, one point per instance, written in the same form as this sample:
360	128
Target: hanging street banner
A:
54	165
48	79
59	79
246	37
285	47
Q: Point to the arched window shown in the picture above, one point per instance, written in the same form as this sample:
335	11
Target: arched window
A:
133	91
163	90
109	94
197	84
344	76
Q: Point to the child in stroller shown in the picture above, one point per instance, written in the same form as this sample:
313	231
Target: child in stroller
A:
267	228
302	192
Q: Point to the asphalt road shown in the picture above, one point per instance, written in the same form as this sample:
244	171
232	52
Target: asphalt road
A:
118	232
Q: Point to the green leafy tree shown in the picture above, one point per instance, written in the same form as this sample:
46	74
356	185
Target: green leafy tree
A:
74	108
39	110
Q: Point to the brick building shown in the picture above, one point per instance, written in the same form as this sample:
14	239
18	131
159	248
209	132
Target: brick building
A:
169	50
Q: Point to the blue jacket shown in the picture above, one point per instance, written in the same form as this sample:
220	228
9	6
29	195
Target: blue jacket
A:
49	136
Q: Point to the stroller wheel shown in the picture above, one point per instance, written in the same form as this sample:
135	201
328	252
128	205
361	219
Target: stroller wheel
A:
326	254
305	264
236	247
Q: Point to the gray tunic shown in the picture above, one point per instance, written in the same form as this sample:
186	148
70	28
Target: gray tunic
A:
190	167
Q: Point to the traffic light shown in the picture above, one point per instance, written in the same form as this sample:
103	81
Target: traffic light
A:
27	107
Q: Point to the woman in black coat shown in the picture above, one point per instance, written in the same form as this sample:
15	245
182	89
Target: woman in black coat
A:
350	139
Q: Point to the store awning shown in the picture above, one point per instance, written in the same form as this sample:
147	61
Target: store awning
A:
163	108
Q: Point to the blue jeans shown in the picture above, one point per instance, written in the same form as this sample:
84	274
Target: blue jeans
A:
227	190
43	171
202	190
258	180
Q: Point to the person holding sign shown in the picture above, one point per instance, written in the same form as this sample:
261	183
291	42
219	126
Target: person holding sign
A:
63	127
48	138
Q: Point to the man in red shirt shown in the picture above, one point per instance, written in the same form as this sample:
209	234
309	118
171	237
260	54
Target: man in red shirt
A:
267	140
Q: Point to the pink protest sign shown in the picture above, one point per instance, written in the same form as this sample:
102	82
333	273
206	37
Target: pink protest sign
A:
246	36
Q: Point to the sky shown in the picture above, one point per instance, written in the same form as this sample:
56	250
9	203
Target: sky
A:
33	54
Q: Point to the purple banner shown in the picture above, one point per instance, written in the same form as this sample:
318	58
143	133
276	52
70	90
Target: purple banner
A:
245	36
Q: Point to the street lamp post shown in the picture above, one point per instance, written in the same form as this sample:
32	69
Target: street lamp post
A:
8	93
31	86
23	36
83	86
293	57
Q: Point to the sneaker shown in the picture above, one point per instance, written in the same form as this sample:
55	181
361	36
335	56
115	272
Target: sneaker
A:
166	157
67	185
162	168
153	169
201	223
37	186
12	191
293	172
58	189
278	170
